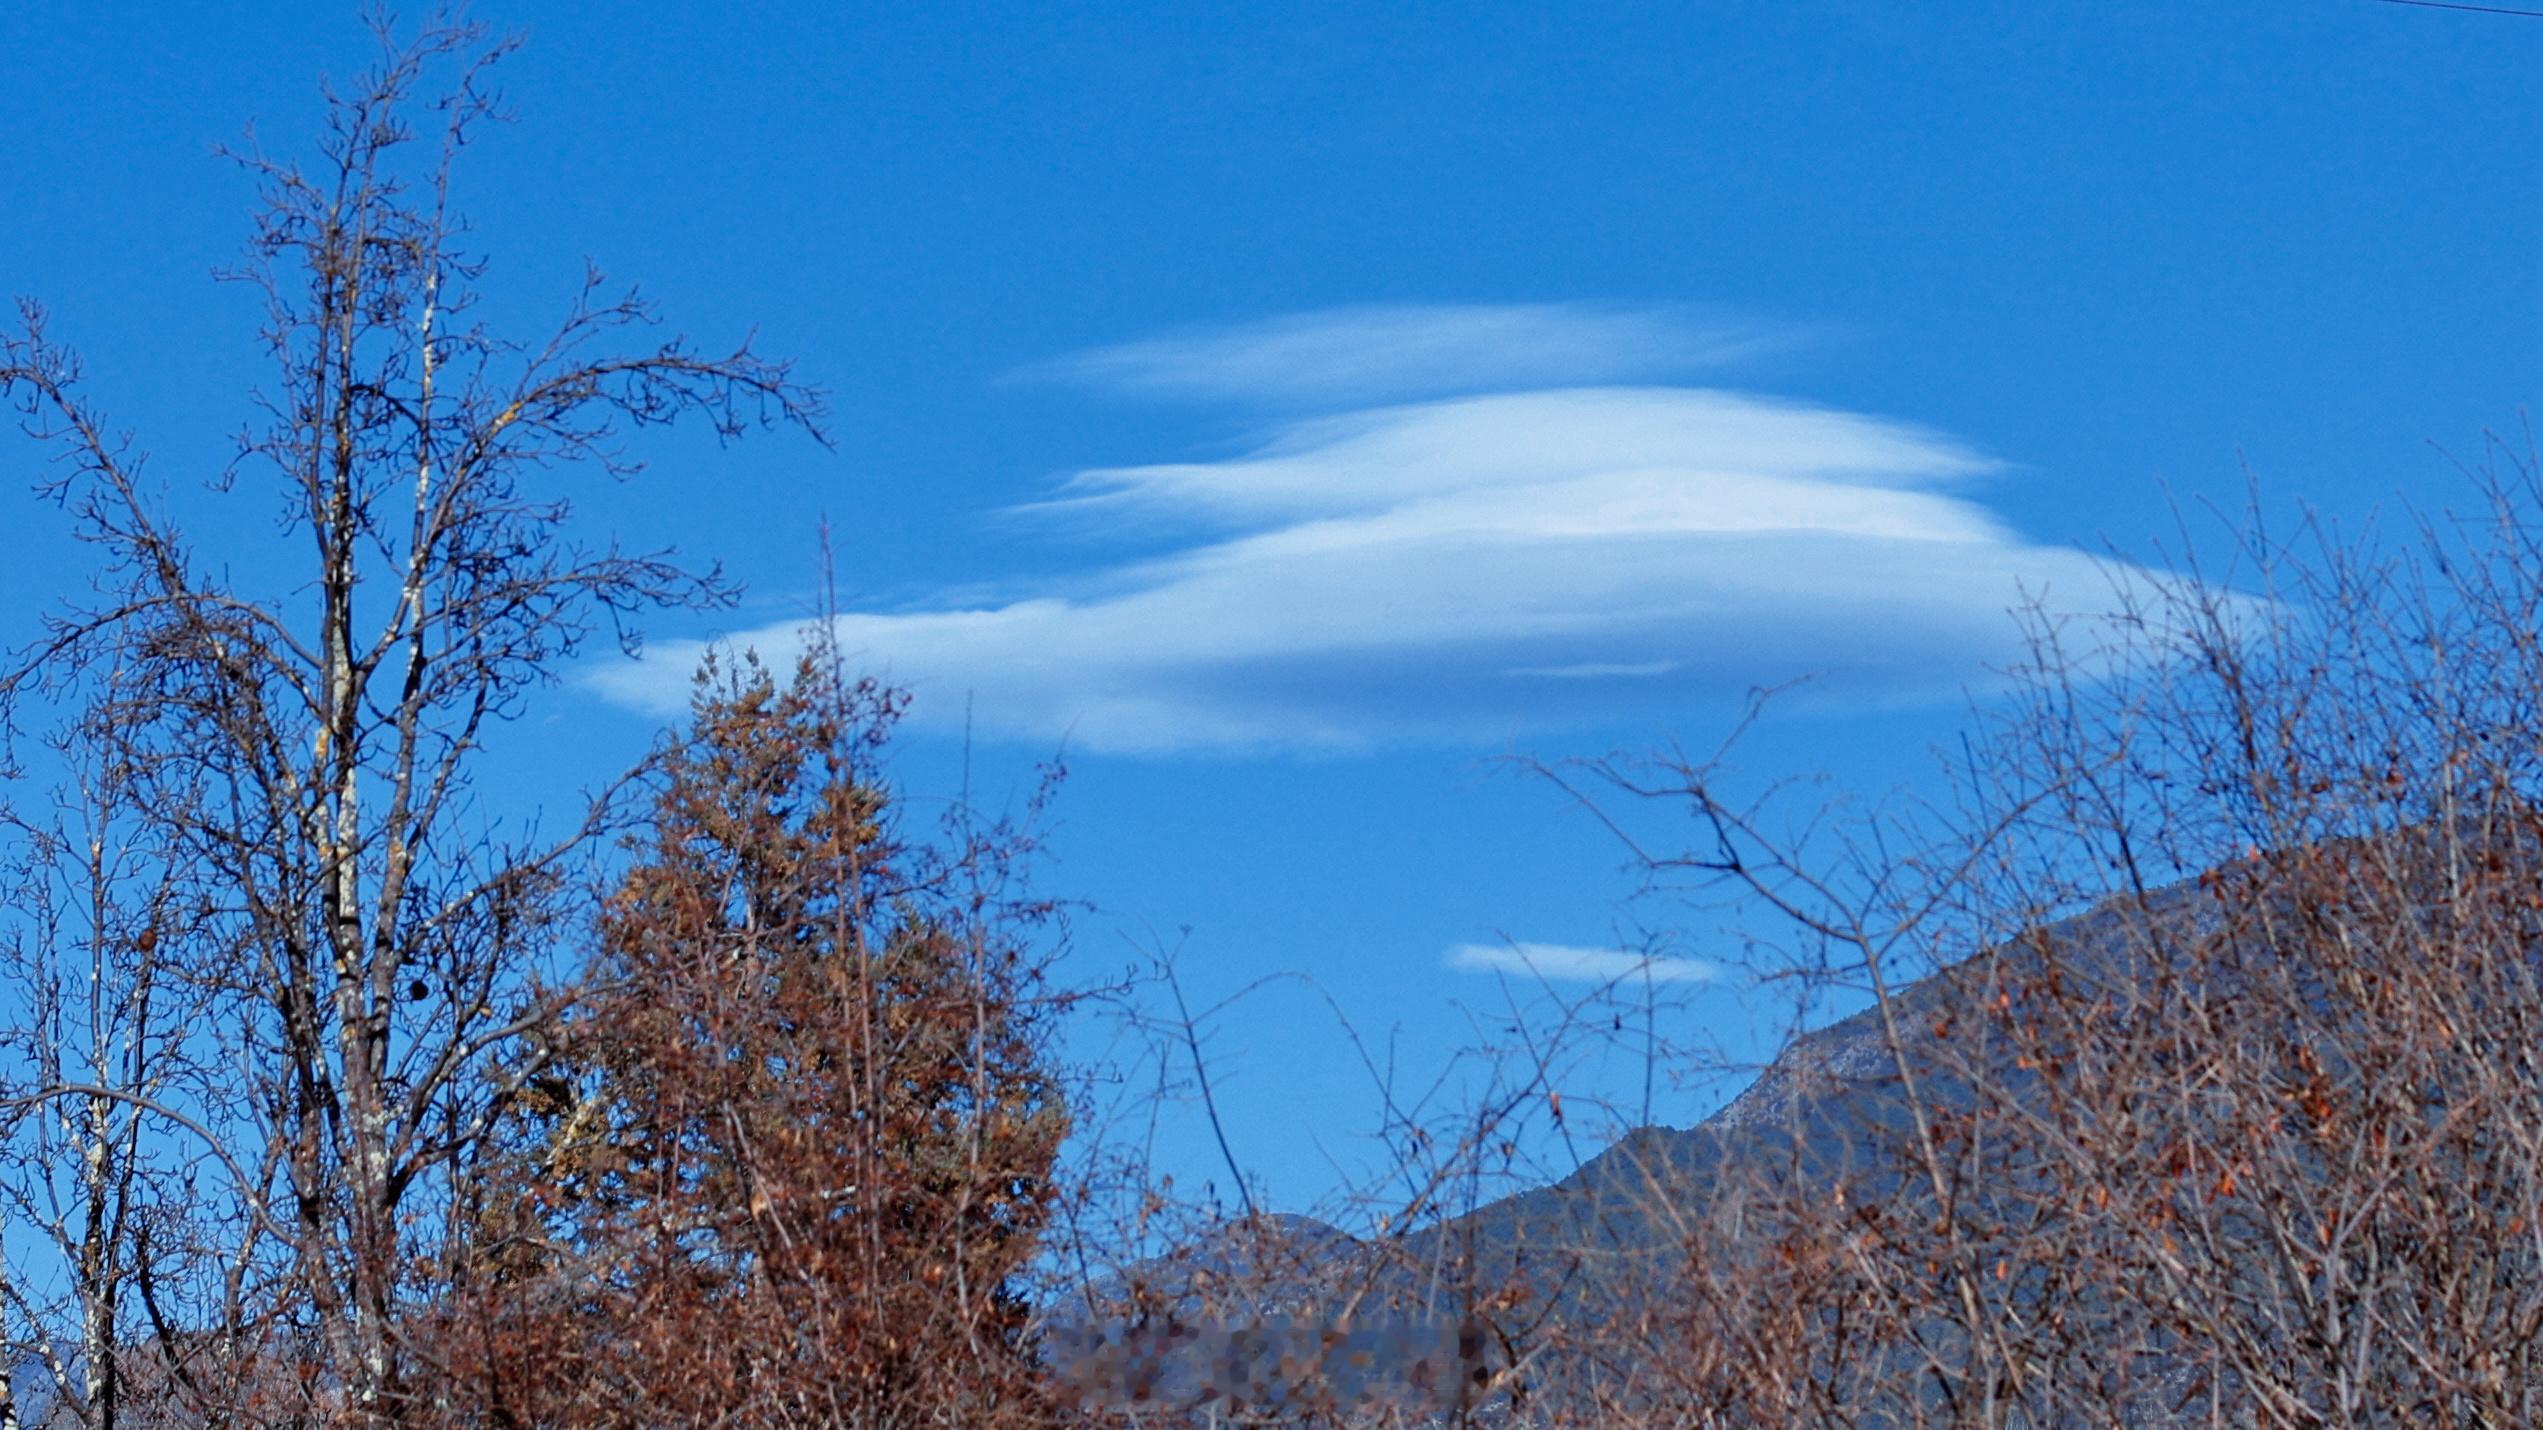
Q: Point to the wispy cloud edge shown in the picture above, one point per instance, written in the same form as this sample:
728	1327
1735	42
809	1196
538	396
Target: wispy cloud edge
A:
1387	352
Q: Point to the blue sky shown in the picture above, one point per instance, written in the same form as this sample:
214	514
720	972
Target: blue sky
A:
1291	410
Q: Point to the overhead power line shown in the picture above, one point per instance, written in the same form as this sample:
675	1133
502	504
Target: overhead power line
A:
2476	9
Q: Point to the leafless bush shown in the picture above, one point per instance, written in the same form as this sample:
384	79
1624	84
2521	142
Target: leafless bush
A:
2233	1113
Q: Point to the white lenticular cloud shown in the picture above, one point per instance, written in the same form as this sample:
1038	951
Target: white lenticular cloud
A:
1561	963
1634	452
1476	569
1381	353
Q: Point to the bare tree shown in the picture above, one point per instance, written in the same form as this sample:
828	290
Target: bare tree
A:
306	748
99	1052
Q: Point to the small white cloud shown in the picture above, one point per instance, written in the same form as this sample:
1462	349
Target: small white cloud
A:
1599	670
1562	963
1386	353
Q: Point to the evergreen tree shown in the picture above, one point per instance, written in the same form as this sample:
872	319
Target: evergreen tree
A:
802	1136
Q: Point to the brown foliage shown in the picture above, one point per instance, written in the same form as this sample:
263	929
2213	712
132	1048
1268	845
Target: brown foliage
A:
799	1137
